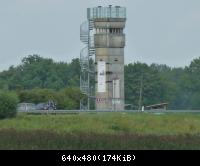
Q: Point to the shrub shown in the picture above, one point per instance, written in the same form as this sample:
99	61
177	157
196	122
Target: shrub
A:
68	98
8	105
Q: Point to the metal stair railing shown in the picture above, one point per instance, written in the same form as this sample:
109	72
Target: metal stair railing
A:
86	68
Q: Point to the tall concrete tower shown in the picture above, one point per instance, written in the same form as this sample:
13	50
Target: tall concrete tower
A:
108	42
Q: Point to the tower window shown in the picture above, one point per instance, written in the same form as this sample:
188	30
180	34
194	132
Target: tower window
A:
115	30
109	30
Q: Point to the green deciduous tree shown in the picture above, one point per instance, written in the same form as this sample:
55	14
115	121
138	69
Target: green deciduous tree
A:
8	104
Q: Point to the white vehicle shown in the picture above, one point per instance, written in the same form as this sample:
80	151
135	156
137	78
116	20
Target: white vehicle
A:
26	107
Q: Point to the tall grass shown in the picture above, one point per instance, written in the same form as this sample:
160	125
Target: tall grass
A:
108	123
45	139
101	131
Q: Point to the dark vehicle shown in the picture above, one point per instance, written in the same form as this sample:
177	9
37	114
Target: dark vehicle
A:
41	106
50	105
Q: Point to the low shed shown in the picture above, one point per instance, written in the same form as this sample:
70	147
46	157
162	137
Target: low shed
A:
160	106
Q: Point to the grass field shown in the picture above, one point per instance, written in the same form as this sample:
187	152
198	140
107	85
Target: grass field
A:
101	131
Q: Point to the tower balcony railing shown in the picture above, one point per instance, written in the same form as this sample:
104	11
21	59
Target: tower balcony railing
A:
106	12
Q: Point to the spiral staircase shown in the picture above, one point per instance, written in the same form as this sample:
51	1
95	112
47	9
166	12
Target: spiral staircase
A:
87	69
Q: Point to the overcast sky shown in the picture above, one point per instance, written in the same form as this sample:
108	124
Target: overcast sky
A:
157	31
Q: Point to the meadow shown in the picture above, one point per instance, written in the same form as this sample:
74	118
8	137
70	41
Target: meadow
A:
112	130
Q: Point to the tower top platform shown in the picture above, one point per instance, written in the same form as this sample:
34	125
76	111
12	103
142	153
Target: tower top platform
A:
106	12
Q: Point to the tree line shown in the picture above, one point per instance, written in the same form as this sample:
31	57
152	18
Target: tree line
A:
37	77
